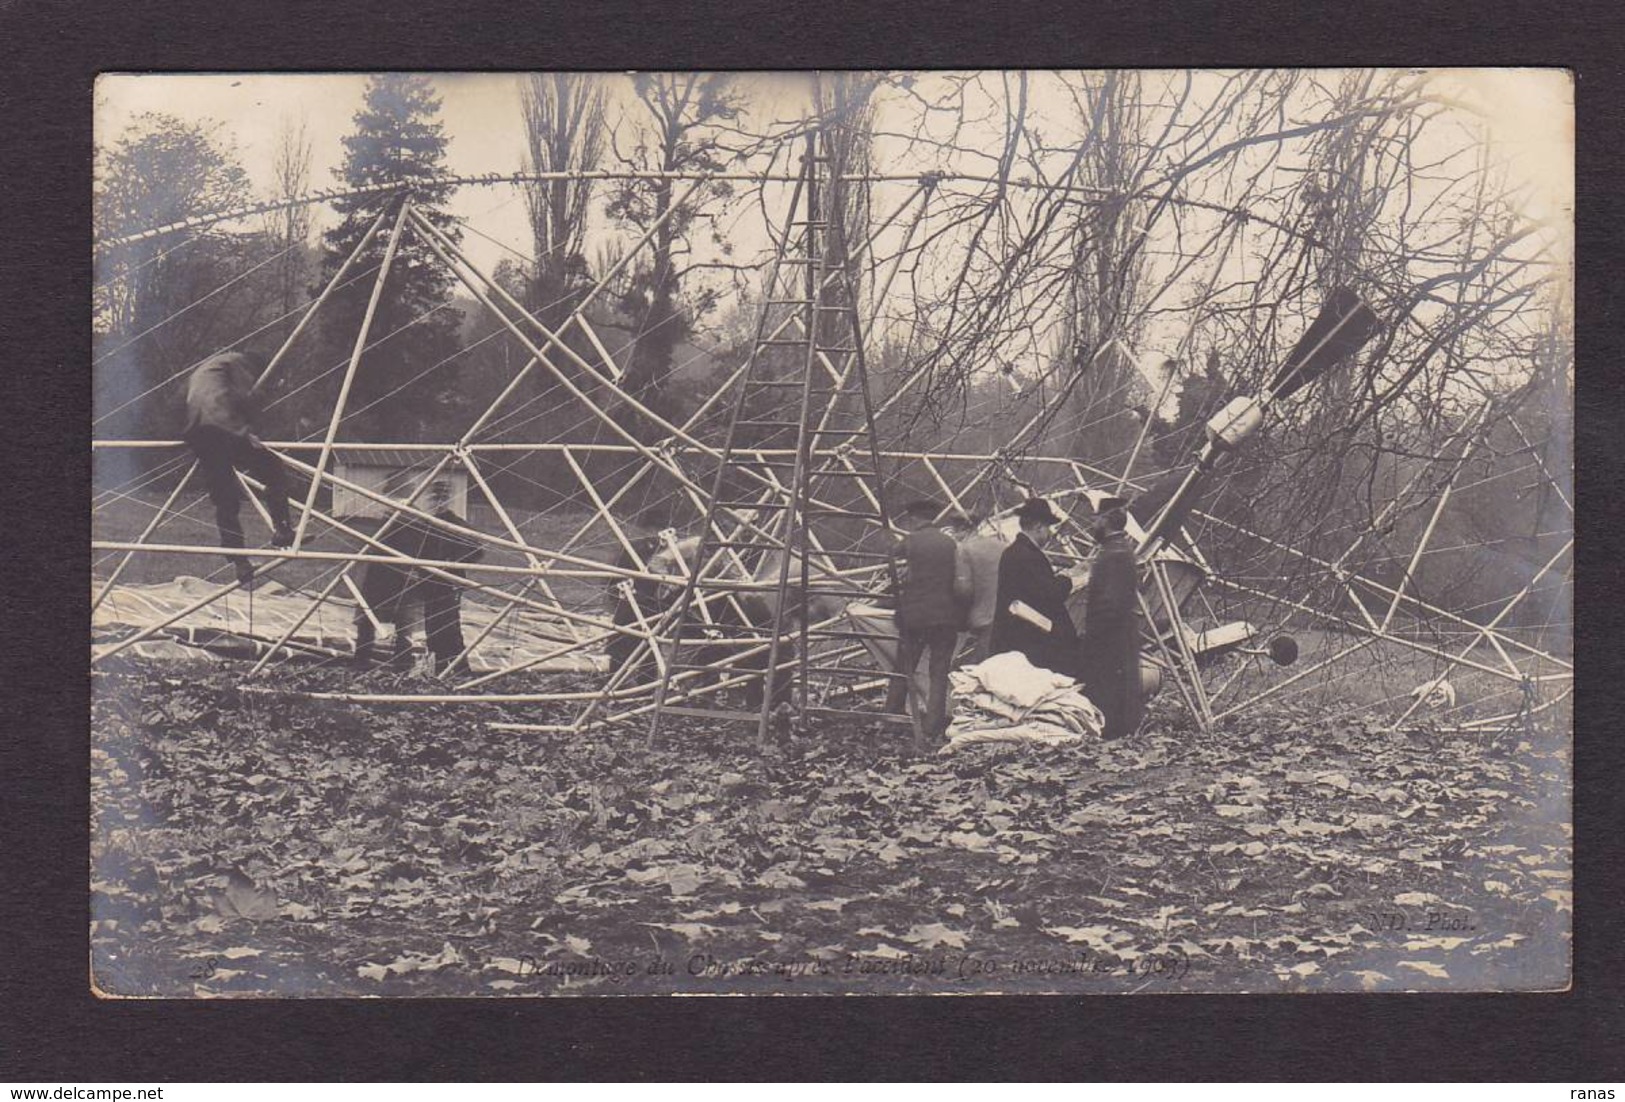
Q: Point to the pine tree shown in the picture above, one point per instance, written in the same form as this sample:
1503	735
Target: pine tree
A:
399	392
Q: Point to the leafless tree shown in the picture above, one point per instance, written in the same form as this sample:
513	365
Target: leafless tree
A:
1105	316
288	229
1206	217
564	132
676	131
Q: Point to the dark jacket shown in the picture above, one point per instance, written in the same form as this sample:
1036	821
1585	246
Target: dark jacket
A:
926	560
386	585
219	395
1025	575
1111	636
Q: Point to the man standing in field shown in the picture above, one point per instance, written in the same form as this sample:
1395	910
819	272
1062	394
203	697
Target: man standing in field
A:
443	599
1111	626
931	603
220	414
396	592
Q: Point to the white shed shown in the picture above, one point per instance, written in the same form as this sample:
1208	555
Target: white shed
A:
393	472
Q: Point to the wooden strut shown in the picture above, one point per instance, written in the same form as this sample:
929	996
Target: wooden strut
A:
1362	629
734	376
711	535
540	580
442	569
684	439
1181	663
271	366
475	428
575	538
146	533
1349	580
930	180
704	505
536	564
153	629
327	447
350	371
604	571
439	569
478	284
1068	464
1506	610
792	537
387	557
634	693
589	567
794	520
1280	686
542	562
673	620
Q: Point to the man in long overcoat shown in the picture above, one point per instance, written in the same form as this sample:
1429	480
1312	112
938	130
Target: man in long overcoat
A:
931	603
1031	615
1111	624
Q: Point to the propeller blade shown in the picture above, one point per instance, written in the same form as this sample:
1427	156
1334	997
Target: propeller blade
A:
1343	325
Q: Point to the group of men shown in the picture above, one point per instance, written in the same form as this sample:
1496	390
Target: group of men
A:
221	411
1009	597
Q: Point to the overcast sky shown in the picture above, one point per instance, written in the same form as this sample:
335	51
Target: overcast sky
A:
1529	113
481	114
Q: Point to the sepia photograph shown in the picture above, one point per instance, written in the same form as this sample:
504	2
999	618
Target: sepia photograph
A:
1095	532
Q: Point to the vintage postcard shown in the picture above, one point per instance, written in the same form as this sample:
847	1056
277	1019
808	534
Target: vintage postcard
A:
1095	532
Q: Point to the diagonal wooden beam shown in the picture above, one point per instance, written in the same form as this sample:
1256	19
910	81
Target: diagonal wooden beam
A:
350	371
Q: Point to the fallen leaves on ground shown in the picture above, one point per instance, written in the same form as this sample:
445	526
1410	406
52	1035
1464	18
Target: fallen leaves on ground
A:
266	843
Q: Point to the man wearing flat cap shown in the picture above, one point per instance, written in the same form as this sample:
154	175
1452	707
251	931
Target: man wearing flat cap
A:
1031	616
932	599
1110	660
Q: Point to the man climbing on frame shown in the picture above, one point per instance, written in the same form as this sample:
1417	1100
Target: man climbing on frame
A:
1031	615
1111	626
931	604
220	413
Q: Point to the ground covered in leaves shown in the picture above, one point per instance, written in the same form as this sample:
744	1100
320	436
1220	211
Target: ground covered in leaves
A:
263	843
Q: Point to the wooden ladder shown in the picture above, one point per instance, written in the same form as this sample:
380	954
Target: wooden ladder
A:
832	446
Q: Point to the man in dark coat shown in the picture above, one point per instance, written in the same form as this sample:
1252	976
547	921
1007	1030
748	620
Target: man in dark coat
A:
220	414
1031	616
932	600
1111	625
394	591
